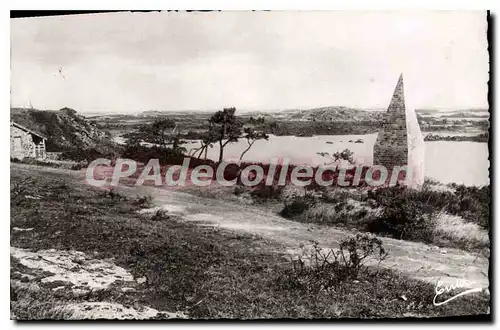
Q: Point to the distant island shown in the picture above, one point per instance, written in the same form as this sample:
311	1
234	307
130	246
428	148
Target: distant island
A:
483	137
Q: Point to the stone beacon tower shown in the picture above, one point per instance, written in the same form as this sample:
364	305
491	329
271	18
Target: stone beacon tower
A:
399	141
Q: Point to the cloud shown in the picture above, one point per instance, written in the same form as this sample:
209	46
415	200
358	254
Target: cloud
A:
252	60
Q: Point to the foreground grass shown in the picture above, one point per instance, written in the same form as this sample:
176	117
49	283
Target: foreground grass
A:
205	272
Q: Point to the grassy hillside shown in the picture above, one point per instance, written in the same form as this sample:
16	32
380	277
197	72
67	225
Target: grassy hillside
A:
65	129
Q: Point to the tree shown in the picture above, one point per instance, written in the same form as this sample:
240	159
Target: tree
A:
252	135
176	141
224	128
161	131
205	142
273	127
345	154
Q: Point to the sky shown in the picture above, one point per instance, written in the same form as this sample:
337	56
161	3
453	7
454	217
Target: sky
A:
131	62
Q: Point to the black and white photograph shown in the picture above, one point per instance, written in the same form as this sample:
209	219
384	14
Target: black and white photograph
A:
250	165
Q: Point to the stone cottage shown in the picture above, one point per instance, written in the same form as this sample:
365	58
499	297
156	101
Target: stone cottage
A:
25	143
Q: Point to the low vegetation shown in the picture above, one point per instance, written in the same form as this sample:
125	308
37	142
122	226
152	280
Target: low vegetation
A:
425	215
71	165
204	272
483	137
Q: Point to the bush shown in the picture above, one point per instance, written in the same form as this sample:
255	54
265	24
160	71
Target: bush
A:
472	203
262	192
166	156
113	195
143	201
406	214
160	215
404	220
404	206
238	190
319	270
349	213
297	206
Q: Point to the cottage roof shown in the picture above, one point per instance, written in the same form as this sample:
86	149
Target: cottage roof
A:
28	130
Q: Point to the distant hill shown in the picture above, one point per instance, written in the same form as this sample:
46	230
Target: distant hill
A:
333	113
65	129
346	114
160	113
435	111
465	115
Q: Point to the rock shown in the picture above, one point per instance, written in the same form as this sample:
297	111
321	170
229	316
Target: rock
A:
141	280
79	292
127	289
31	197
63	270
58	288
21	229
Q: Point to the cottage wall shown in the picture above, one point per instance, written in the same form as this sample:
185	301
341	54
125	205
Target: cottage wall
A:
21	143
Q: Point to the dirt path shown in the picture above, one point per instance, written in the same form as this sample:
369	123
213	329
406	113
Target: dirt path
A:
417	260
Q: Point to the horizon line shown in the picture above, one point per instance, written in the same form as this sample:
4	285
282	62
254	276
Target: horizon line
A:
248	110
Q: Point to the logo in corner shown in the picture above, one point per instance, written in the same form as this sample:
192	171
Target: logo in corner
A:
459	284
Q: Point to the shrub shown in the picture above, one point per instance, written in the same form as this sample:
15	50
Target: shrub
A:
143	154
113	195
238	190
143	201
160	215
356	249
297	206
321	270
263	192
349	213
402	205
472	203
405	215
404	221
